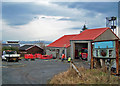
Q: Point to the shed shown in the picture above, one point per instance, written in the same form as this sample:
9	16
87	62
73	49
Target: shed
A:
30	49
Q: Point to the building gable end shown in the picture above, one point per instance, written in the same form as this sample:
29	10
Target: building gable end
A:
107	35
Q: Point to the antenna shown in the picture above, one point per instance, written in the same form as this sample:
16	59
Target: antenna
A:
85	22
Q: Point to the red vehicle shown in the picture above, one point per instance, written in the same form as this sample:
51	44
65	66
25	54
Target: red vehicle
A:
84	53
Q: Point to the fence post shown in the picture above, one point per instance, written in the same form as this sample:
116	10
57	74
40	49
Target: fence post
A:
72	65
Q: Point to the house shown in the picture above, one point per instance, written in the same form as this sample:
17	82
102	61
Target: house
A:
60	46
30	49
11	43
72	44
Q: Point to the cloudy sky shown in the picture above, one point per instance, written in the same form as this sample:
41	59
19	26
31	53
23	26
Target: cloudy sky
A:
51	20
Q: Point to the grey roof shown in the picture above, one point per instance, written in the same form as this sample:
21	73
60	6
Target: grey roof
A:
24	47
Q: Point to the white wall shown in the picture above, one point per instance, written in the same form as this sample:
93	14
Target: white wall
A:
48	52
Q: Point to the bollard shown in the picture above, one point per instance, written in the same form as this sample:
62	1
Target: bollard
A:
73	66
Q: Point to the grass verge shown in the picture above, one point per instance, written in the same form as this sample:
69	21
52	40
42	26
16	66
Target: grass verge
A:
89	76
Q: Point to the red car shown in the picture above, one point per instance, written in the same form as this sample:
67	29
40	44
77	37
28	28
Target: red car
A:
84	53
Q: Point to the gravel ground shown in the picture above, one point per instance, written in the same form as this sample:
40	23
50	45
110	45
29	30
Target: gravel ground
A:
34	72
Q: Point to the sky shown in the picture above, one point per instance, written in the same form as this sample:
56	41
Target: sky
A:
50	20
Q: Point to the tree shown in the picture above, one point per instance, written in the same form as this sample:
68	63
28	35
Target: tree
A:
11	48
42	45
84	27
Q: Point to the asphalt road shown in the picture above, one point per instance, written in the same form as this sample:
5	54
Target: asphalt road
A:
34	72
31	72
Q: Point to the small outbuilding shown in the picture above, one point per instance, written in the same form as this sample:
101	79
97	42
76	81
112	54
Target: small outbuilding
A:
30	49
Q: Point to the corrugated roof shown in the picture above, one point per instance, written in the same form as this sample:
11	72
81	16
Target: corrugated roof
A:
90	34
64	41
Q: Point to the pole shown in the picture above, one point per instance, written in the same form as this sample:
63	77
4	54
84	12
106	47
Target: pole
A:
117	57
113	26
91	56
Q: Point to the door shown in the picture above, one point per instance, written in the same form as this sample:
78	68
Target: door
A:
76	54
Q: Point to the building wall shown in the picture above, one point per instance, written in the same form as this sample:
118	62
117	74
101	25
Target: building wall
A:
22	53
72	48
35	50
55	53
68	52
89	51
107	35
60	52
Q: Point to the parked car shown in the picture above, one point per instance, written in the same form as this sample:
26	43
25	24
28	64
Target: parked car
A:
10	56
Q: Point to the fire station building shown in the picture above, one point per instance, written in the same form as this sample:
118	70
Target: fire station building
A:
70	45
